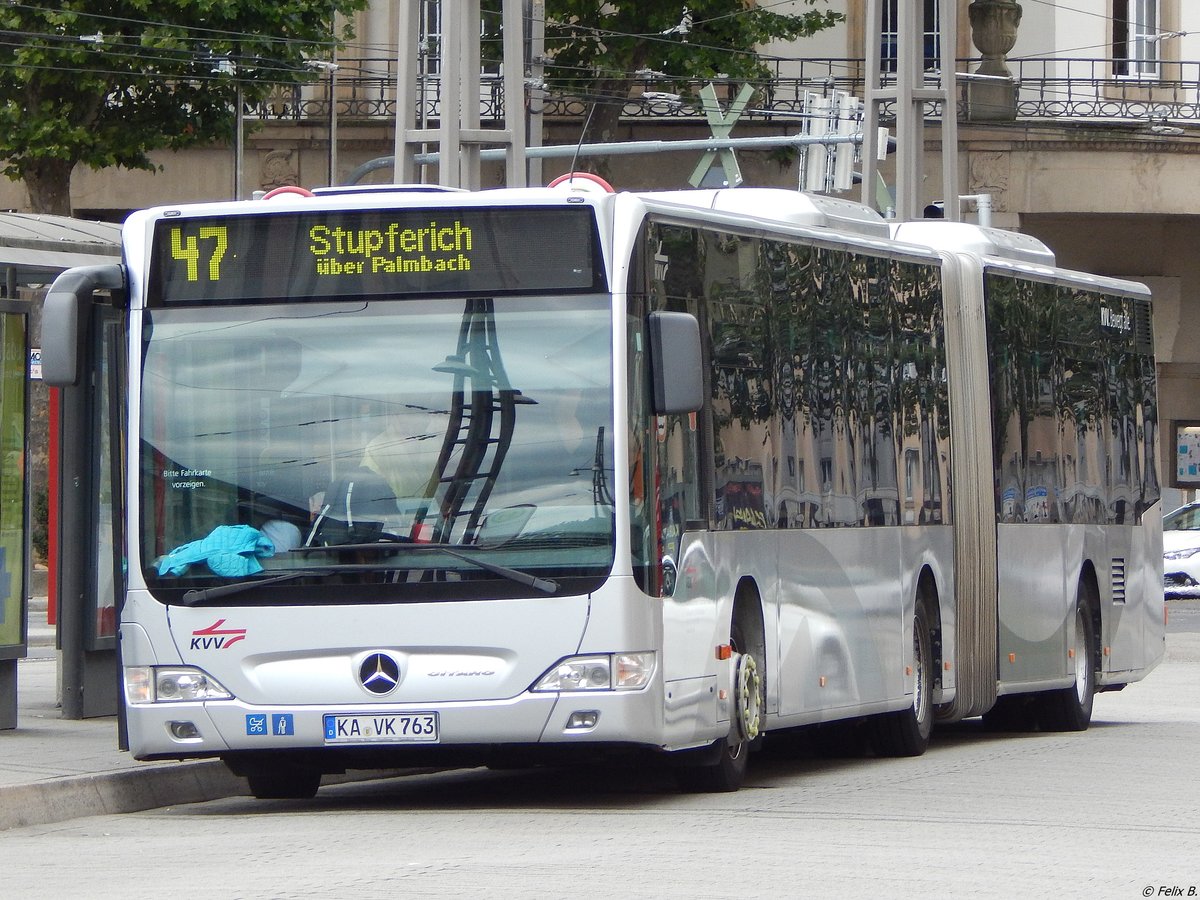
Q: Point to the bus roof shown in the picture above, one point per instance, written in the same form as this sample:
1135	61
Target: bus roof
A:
964	237
783	206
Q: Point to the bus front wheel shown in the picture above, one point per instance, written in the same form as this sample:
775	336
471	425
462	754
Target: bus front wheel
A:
721	768
293	785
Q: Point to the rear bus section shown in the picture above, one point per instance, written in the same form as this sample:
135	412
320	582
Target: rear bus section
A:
1064	418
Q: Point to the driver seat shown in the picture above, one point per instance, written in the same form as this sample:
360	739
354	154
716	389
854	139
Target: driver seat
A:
357	506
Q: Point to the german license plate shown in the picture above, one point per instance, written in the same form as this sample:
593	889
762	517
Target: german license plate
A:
370	728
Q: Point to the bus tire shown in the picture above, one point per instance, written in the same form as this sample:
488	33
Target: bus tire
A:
288	785
906	732
721	767
1070	709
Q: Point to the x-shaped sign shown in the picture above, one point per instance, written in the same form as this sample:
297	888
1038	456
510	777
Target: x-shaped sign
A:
721	124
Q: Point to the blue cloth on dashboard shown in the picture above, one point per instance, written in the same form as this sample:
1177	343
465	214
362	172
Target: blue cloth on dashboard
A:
229	550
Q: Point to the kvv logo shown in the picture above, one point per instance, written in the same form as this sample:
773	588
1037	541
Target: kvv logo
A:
214	637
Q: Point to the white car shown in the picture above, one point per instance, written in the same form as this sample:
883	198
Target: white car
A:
1181	551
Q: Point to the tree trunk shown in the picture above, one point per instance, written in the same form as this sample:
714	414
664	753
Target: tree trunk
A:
605	122
605	125
49	184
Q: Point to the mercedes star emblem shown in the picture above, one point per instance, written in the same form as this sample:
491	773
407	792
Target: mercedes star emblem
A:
379	673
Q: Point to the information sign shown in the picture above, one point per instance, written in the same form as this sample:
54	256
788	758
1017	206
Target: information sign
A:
1187	454
290	256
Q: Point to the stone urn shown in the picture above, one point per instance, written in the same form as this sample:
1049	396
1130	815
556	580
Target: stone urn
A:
994	32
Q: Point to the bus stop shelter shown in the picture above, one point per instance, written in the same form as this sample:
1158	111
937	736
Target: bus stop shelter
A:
33	250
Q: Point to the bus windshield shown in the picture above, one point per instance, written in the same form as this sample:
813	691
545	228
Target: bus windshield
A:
383	449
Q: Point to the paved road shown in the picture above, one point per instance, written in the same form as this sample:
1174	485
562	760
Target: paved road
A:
1183	615
1114	812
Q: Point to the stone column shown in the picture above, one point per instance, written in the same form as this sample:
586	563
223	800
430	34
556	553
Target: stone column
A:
994	31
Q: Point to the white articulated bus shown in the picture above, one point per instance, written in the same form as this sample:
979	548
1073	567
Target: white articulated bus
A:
426	476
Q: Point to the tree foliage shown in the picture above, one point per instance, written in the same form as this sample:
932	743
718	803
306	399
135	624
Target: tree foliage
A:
106	82
601	48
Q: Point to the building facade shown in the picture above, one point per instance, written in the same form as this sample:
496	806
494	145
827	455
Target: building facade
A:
1093	147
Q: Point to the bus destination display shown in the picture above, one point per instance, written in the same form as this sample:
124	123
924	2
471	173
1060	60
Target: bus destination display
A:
376	252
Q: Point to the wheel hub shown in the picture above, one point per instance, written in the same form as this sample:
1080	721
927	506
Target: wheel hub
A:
1083	662
747	697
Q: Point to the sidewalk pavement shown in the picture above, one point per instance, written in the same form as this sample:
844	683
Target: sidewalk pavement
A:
53	769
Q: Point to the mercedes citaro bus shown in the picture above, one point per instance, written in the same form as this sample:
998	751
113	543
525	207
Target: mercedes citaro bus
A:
517	476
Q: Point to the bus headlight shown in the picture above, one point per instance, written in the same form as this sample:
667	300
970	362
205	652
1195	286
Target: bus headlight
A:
603	672
171	684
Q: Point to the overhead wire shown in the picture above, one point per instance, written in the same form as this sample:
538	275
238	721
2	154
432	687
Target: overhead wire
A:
208	34
200	34
137	53
134	56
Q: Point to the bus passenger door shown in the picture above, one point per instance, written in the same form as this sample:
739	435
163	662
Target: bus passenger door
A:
667	515
664	475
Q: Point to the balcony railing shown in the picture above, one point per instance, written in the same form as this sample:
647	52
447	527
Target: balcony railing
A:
1048	89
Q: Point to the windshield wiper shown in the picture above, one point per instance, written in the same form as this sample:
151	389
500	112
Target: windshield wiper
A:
548	585
200	596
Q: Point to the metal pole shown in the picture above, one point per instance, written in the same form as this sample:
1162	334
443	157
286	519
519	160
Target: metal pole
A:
537	90
409	58
454	18
949	90
872	98
626	148
512	24
983	205
239	145
421	82
633	148
333	120
72	543
910	125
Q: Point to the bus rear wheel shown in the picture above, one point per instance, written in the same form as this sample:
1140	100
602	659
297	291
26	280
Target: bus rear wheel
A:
1070	709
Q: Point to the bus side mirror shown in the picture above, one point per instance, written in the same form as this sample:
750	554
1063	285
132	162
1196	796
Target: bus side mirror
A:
61	345
676	363
64	322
